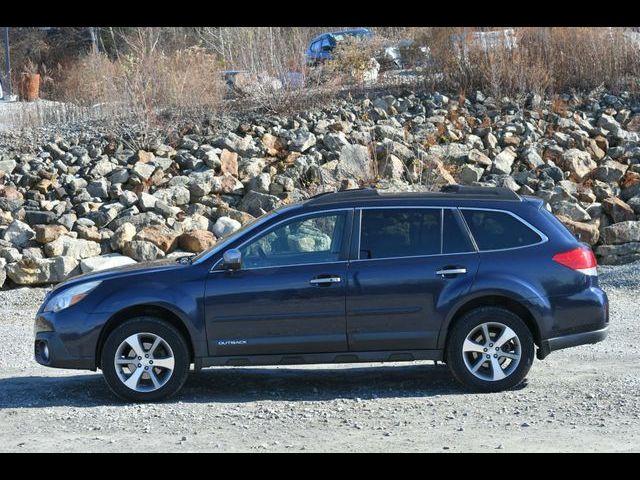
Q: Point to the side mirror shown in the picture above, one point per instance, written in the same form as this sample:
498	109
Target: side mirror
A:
232	259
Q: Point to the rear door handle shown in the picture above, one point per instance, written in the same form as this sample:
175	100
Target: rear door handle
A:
325	280
451	271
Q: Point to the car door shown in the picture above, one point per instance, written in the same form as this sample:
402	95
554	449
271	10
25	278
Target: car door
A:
289	294
326	48
403	277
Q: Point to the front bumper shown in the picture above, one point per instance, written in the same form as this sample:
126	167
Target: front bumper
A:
50	351
67	339
571	340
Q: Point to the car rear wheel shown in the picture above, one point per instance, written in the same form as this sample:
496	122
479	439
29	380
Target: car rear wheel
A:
490	349
145	359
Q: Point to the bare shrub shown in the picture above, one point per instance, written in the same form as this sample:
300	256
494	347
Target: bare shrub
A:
145	84
91	79
352	58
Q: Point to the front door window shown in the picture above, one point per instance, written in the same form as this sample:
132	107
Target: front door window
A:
312	239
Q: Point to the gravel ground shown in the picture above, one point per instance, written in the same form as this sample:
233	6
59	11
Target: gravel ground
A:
580	399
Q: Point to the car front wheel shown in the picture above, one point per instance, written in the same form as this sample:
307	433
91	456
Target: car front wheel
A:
145	359
490	349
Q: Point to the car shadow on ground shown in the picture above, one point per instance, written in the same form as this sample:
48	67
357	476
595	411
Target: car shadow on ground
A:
244	384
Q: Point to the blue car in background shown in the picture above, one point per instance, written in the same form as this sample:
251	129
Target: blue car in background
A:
321	47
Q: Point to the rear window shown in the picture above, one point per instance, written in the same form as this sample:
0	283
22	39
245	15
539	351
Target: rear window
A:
498	230
400	233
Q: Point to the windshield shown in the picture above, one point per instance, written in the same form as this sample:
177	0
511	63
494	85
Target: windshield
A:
227	239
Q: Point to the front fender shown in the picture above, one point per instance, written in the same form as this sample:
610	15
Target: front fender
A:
181	296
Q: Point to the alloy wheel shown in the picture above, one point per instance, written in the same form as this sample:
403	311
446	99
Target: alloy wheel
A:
491	351
144	362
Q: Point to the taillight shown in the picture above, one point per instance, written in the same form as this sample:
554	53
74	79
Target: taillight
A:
581	259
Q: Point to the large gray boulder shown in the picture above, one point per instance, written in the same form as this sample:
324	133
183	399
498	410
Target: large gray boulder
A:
72	247
18	233
470	173
355	163
196	222
225	226
391	168
31	271
578	163
201	183
7	166
123	235
301	141
142	251
503	162
335	141
618	210
571	209
143	171
260	183
173	196
622	232
478	158
531	158
244	146
609	171
618	254
257	203
103	262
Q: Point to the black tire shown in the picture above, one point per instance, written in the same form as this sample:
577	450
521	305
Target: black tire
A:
155	326
465	325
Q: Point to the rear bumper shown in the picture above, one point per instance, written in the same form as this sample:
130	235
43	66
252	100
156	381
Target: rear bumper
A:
572	340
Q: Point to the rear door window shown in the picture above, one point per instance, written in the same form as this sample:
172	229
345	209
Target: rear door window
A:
455	237
391	233
494	230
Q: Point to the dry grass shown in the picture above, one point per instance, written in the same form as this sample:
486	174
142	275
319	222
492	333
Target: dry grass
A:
185	79
146	85
546	60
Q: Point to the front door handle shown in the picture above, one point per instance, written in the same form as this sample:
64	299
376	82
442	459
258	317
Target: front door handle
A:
451	271
325	281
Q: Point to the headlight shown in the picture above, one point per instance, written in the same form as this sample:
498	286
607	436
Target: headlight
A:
69	297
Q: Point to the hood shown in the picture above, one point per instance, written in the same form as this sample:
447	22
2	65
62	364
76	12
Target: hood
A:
122	271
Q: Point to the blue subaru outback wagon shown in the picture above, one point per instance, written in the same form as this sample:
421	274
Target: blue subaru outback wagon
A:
479	278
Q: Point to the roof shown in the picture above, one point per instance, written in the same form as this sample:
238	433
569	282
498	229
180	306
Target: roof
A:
342	32
351	31
446	193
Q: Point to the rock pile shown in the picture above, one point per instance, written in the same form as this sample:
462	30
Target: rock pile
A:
85	201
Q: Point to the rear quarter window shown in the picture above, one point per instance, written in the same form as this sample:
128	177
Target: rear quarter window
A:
499	230
560	227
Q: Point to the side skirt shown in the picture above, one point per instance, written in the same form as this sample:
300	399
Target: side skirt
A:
315	358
